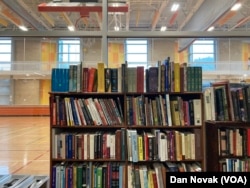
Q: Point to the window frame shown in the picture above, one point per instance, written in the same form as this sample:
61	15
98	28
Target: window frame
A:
206	64
134	43
65	46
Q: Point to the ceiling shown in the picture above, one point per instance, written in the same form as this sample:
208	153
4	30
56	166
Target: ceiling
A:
129	15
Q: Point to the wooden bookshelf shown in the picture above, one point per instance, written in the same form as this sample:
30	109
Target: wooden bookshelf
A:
227	146
141	137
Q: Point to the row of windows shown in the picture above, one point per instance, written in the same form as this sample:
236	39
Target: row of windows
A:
136	52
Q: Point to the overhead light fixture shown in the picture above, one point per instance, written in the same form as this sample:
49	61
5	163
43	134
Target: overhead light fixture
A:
23	28
175	7
236	7
116	28
210	28
71	28
163	28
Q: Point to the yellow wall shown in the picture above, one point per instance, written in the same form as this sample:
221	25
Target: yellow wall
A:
48	56
181	57
245	54
115	54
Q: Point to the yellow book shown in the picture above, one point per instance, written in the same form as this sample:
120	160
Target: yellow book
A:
100	77
140	147
177	86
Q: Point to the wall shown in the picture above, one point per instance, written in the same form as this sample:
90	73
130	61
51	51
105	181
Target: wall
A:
35	92
27	92
229	54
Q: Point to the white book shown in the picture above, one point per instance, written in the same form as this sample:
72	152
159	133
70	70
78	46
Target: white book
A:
168	110
112	146
95	111
209	103
85	147
197	112
91	146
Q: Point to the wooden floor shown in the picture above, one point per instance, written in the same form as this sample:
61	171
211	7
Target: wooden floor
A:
24	145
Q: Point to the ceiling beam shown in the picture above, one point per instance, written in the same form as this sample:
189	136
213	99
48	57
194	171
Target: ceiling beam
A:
33	14
9	16
226	17
99	19
127	18
157	14
48	18
191	14
3	22
210	14
80	7
67	19
173	18
22	13
242	21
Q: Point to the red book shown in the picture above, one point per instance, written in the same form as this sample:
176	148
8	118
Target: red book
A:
248	142
118	145
140	79
91	79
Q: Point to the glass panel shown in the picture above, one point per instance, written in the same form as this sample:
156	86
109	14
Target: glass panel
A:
5	57
136	58
5	48
137	48
203	48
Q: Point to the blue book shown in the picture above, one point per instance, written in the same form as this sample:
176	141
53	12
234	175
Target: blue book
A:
65	80
167	71
74	111
53	79
121	167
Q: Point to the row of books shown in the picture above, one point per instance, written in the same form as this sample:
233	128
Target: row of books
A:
163	110
225	102
183	167
154	176
72	111
143	146
234	142
163	145
88	174
88	146
165	76
234	165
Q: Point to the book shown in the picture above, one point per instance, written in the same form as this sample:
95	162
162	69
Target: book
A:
197	111
140	79
107	75
132	79
177	79
152	79
226	98
114	79
91	79
100	77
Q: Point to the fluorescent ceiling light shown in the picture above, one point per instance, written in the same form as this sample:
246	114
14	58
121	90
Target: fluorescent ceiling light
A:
163	28
23	28
174	7
210	28
71	28
116	28
236	7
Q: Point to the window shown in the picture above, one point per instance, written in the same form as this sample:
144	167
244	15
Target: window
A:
202	53
68	52
5	53
136	52
5	65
